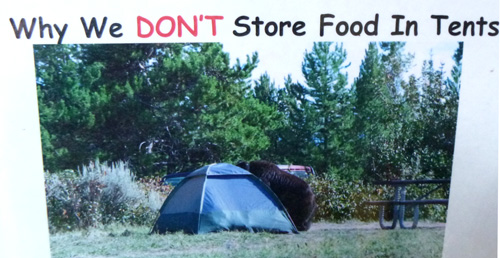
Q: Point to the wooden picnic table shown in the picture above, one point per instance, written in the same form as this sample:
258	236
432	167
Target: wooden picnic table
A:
400	202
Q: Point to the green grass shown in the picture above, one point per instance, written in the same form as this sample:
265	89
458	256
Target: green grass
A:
121	241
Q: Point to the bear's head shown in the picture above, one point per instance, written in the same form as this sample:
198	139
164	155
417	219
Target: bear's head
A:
244	165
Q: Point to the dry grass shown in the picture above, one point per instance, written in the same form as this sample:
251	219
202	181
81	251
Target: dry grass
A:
323	240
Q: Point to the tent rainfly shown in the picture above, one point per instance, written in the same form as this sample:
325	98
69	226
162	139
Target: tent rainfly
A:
222	197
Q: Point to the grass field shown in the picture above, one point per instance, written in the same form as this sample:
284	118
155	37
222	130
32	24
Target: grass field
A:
352	239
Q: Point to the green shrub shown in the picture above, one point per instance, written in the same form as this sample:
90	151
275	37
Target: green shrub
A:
339	200
100	194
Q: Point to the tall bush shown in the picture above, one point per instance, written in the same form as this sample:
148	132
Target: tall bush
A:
99	194
339	200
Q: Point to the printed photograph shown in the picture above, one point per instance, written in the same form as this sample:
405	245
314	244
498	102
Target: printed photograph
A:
314	149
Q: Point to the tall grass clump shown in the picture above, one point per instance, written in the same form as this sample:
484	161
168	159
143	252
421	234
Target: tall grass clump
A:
100	194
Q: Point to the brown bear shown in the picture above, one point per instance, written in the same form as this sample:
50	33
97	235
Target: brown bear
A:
295	194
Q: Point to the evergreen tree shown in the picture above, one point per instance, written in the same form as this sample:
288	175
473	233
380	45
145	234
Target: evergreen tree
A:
379	107
162	106
229	118
294	136
65	105
267	93
322	69
265	90
371	99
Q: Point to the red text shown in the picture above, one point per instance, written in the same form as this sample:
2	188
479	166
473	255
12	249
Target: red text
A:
166	26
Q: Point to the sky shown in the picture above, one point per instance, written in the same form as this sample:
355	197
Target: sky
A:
281	59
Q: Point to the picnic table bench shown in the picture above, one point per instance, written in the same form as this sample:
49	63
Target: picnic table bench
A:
400	202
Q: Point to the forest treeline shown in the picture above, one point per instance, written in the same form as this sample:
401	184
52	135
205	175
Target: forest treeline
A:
167	108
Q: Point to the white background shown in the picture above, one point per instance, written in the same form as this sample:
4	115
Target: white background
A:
472	219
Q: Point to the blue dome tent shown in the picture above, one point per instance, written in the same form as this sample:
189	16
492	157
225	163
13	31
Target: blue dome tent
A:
222	197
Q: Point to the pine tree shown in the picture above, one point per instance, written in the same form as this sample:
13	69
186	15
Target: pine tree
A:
294	135
379	106
162	107
265	90
329	97
65	105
